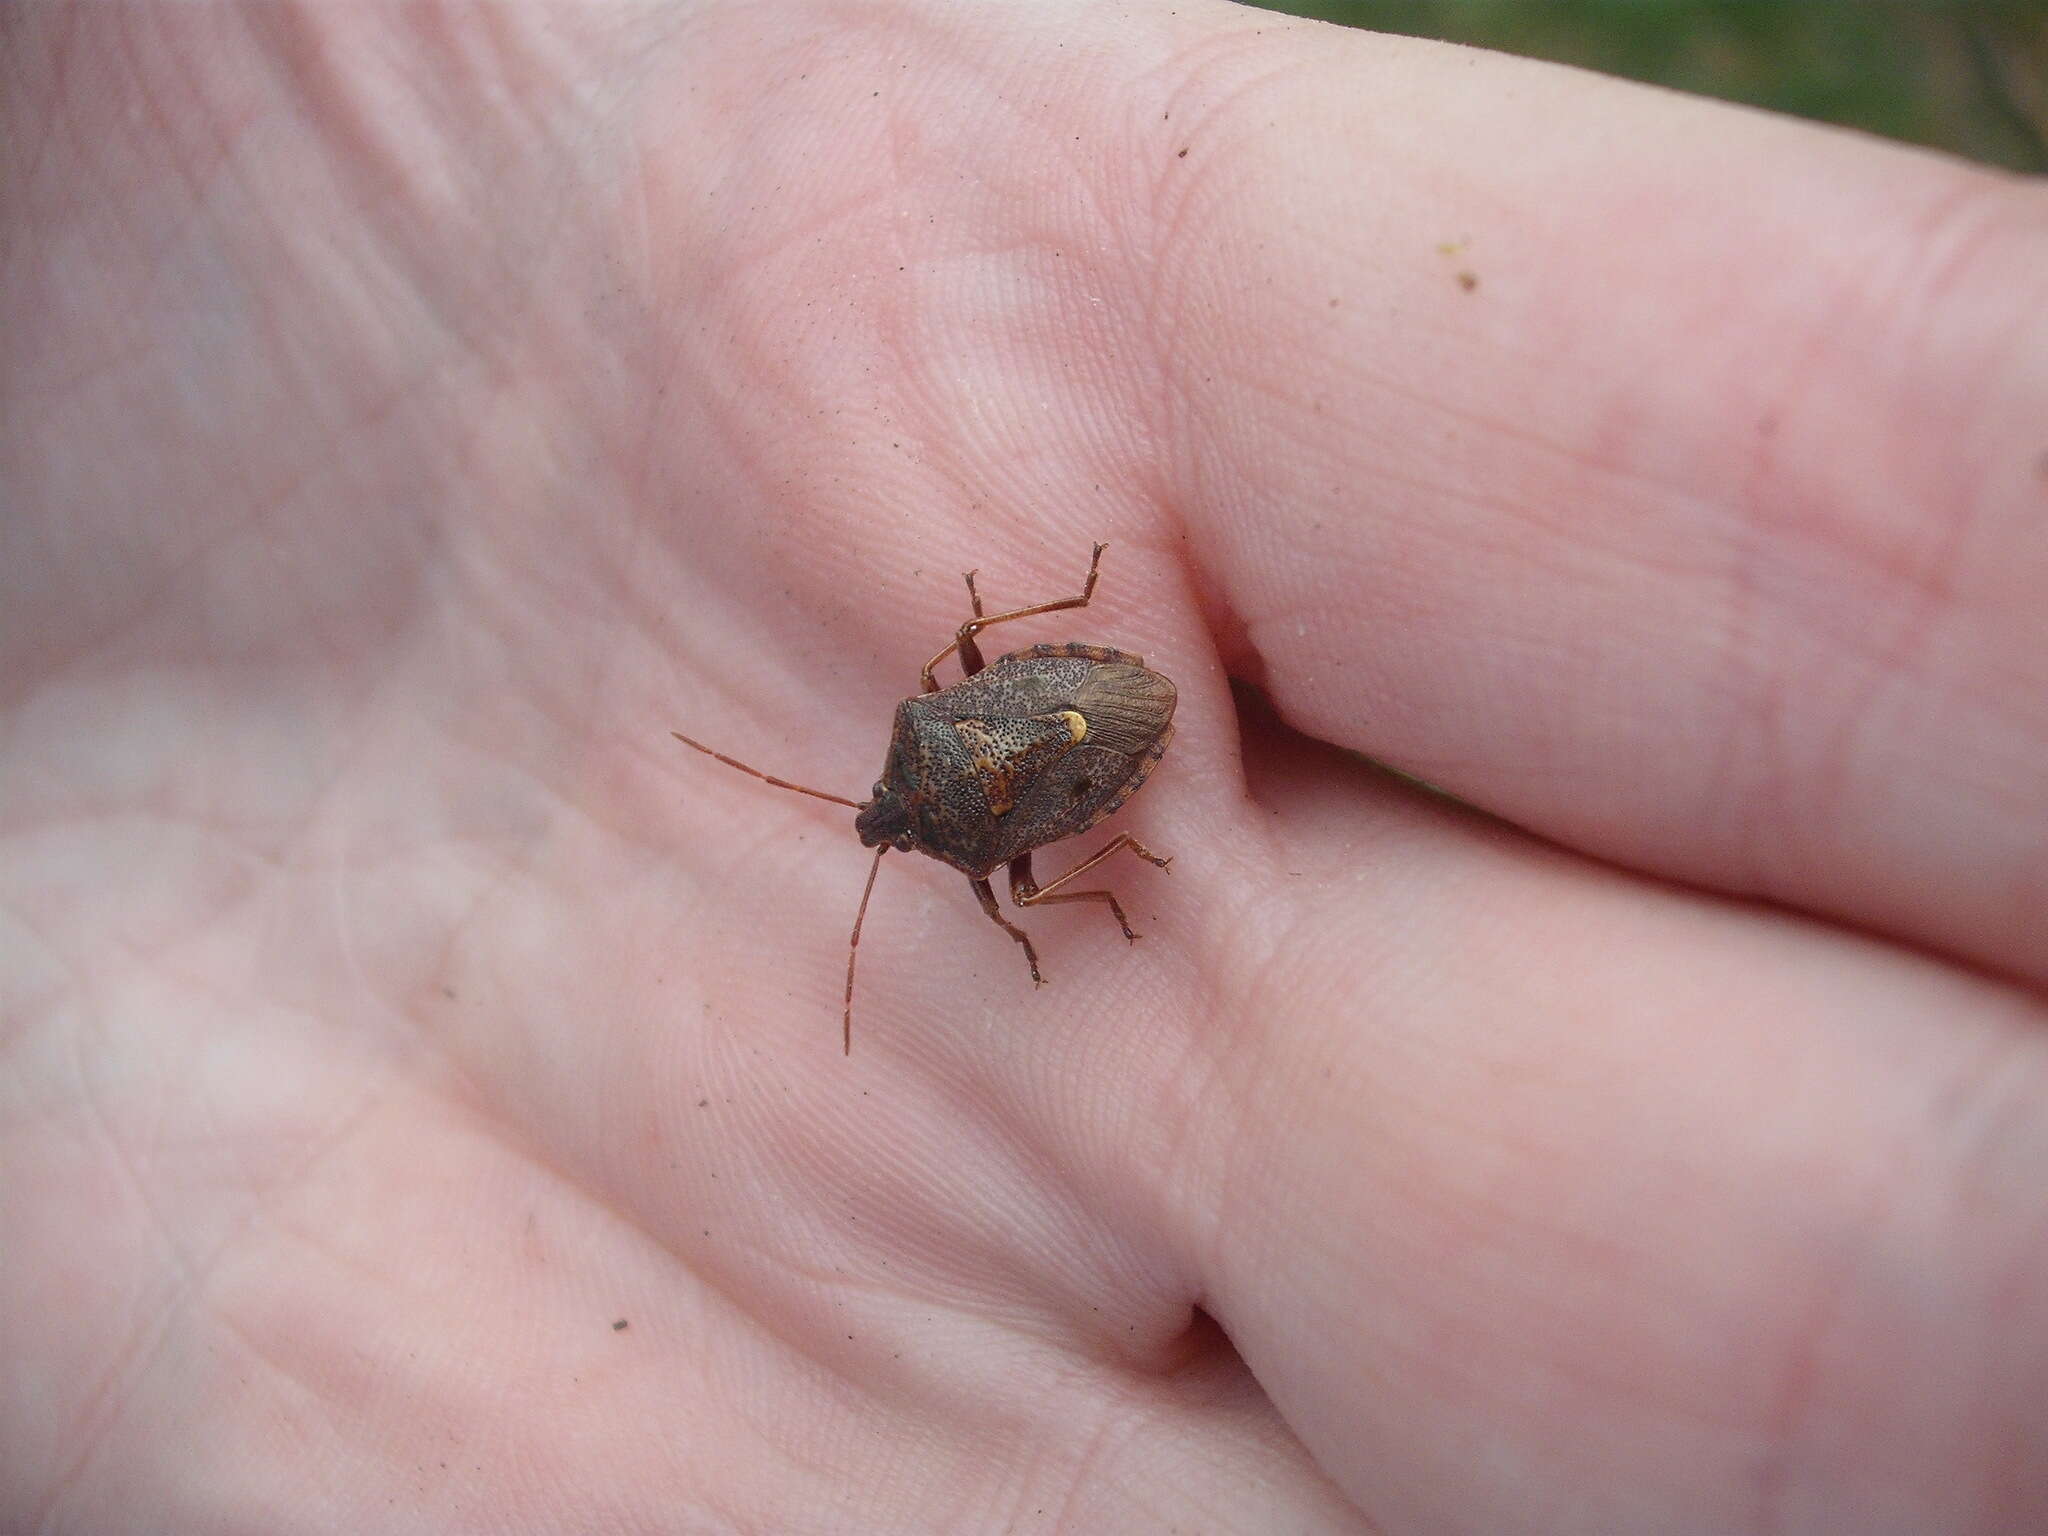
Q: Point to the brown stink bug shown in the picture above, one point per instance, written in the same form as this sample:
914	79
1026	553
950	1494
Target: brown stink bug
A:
1040	745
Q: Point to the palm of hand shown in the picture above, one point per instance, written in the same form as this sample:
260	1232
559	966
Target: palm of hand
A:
427	1073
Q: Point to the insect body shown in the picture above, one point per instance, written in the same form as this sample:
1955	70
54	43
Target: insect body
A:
1039	746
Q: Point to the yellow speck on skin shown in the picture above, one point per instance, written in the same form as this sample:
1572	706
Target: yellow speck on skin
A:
1077	727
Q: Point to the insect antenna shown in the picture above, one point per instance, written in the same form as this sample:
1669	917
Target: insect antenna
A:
733	762
853	949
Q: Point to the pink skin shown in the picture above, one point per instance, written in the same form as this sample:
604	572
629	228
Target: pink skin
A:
410	417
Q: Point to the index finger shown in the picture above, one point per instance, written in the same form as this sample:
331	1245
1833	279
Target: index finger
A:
1668	478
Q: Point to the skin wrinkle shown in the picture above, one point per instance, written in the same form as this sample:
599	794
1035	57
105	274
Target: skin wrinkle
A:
310	1402
33	415
1055	1305
107	1403
1856	1262
106	1399
1138	1411
895	322
59	49
1791	1408
1172	1276
309	57
24	1013
171	582
945	1265
403	203
1190	1217
1159	228
1059	1287
225	164
1396	380
1930	580
1751	766
708	1280
1933	582
1074	1462
1223	1186
1733	756
1121	1422
1948	238
477	1123
1976	1115
166	125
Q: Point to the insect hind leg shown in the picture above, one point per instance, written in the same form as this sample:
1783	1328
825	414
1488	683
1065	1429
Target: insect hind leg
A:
987	898
1027	892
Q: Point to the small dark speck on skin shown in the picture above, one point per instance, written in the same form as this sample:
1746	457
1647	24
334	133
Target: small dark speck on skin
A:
703	1103
449	992
1182	155
1468	280
618	1325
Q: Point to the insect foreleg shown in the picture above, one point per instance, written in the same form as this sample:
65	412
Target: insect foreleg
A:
963	641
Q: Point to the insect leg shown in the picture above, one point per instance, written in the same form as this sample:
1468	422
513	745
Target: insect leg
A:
987	898
970	653
963	642
1027	892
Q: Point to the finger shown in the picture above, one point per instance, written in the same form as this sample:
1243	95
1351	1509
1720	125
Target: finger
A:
1543	1198
1667	478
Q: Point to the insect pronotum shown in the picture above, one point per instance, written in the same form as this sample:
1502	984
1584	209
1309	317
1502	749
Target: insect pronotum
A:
1037	746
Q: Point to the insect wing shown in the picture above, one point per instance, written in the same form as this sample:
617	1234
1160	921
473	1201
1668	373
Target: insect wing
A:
1127	708
1128	712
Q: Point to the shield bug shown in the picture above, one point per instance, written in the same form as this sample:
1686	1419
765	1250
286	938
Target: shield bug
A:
1037	746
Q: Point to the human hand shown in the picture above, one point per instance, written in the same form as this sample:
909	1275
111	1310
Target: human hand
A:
413	416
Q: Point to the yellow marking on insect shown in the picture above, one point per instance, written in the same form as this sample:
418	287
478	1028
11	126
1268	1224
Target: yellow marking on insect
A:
1077	725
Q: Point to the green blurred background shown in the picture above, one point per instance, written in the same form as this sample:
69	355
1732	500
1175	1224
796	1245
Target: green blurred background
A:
1970	78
